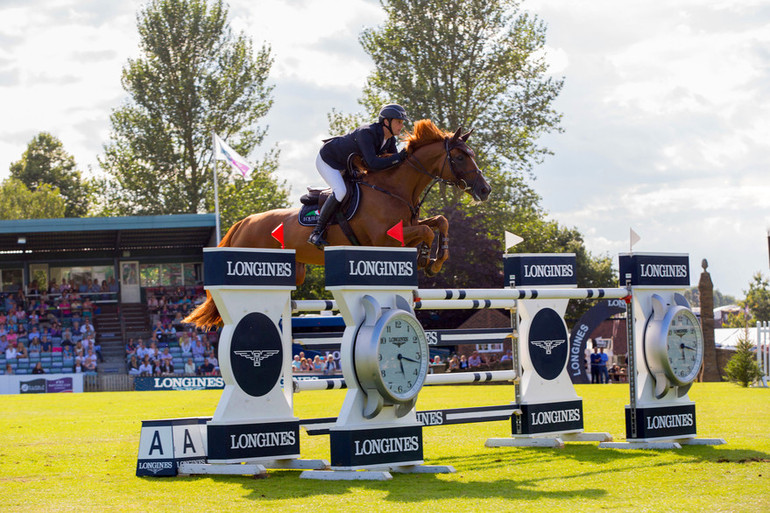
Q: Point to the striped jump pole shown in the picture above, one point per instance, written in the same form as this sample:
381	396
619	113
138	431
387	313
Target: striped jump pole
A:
302	385
516	294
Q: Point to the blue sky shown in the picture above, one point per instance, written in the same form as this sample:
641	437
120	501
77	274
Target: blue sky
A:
665	104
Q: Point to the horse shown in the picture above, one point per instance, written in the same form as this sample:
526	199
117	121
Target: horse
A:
387	197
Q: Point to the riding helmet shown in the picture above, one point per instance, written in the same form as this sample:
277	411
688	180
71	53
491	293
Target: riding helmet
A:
393	111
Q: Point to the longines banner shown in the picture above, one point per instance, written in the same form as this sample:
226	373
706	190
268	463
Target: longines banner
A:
146	384
527	269
248	267
655	269
356	266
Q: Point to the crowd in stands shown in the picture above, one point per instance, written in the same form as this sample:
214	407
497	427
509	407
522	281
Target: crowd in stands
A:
50	330
173	347
317	364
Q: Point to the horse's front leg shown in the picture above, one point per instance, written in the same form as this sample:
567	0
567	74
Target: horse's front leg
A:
440	225
420	237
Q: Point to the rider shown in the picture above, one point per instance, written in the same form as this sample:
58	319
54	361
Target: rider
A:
369	141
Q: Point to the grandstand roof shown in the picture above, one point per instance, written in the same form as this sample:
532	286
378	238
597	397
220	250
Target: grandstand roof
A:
171	232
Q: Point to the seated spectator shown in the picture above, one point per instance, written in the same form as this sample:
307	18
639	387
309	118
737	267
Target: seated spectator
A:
66	351
64	307
131	347
46	346
133	366
3	343
11	353
34	334
307	365
12	336
185	345
189	367
34	318
78	367
87	327
38	369
166	356
169	332
97	347
55	330
141	350
296	364
463	363
145	368
156	371
167	368
34	347
475	361
66	338
86	342
206	368
152	351
21	351
454	364
318	365
91	357
331	366
198	349
8	370
113	286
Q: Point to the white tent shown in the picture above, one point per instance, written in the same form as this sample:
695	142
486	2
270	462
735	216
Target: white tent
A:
727	338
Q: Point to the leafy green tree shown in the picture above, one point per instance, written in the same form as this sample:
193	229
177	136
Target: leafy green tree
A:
17	201
194	77
758	298
45	162
742	368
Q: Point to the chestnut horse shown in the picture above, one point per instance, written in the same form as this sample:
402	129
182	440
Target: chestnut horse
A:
387	197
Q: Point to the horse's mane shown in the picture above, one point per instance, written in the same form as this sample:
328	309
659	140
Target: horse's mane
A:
425	132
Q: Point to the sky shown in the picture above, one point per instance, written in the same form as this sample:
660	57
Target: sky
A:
666	108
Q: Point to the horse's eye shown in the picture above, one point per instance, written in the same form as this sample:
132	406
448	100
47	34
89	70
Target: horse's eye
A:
461	157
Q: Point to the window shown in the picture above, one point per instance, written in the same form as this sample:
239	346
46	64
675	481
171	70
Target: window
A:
489	348
12	279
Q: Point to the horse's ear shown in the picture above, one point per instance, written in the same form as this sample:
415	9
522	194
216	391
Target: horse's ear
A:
468	134
457	134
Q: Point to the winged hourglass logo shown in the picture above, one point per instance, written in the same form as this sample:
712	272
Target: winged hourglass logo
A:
548	345
256	356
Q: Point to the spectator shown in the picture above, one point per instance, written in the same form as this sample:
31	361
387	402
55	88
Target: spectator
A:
185	345
454	364
475	361
198	349
8	369
604	360
318	365
153	352
166	356
145	368
3	343
38	369
133	366
156	370
331	367
34	334
189	367
296	364
11	353
66	338
213	360
167	368
34	347
596	362
45	345
307	364
87	327
91	359
66	351
131	347
463	363
21	351
78	367
206	369
141	351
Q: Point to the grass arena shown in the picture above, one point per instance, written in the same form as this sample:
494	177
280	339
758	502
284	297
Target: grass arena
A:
77	452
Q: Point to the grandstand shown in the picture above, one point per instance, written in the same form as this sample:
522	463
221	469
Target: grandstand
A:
119	276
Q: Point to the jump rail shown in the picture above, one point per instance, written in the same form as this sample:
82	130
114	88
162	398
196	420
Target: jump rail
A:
301	385
514	294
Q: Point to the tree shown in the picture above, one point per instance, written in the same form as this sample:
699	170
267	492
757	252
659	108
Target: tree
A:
477	63
194	78
758	298
742	368
45	162
17	201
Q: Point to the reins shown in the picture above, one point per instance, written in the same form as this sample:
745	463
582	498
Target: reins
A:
415	163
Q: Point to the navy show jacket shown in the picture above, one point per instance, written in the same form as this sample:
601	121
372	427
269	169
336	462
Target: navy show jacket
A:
365	140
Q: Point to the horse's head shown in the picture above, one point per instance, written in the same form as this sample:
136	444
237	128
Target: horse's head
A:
463	170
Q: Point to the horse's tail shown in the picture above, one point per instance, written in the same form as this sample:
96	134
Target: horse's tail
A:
206	315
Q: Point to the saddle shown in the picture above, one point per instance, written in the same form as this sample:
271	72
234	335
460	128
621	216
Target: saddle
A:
317	196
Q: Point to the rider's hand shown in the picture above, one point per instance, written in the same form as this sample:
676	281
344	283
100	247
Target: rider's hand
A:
402	155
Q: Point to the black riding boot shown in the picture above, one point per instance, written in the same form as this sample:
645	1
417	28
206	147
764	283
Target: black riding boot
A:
327	211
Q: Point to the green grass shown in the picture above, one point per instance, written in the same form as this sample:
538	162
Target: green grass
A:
63	452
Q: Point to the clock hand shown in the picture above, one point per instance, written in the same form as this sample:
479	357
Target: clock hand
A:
401	363
409	359
688	347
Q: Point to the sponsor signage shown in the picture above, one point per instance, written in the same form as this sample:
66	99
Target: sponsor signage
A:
548	346
144	383
250	267
581	332
539	269
53	386
392	267
34	386
663	423
649	269
164	444
372	447
256	354
241	441
550	417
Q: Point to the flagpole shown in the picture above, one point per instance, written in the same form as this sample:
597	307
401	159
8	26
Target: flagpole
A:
216	186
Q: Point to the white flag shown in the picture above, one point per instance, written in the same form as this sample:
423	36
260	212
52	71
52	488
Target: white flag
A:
634	239
224	152
511	240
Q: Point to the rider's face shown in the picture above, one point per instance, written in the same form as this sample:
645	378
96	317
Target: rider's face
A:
396	125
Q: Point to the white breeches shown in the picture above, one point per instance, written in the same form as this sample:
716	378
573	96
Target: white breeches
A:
331	176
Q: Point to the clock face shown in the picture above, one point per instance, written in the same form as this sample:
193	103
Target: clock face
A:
684	347
402	356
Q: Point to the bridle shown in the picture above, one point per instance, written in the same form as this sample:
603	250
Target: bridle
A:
459	177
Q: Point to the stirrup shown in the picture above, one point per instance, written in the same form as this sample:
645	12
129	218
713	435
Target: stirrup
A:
317	240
